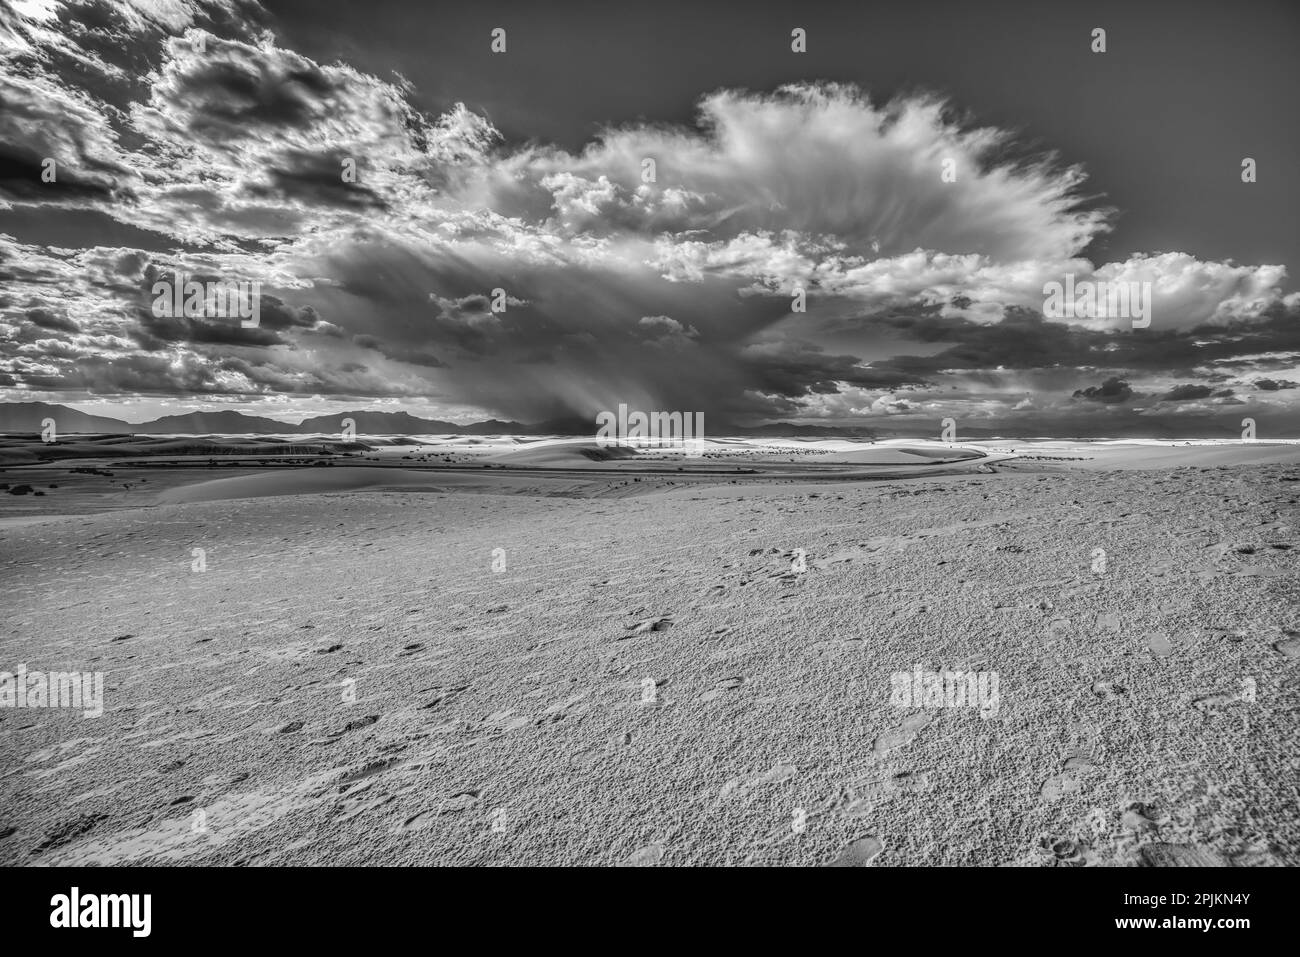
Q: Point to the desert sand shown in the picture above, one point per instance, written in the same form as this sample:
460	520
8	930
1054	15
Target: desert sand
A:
561	659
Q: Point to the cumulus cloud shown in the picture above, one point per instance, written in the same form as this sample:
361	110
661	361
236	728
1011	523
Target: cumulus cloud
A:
1113	389
1186	393
657	266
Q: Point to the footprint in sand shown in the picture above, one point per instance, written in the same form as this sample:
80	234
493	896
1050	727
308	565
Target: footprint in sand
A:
1108	621
1071	853
1209	704
1141	818
910	782
1158	644
418	823
367	771
855	807
859	796
722	687
647	856
1068	780
1108	690
1178	855
455	804
645	626
735	788
912	726
442	695
1289	646
1059	628
460	801
860	853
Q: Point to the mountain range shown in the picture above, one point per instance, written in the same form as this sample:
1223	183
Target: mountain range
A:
29	416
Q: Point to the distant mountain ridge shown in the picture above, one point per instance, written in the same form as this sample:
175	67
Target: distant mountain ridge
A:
28	416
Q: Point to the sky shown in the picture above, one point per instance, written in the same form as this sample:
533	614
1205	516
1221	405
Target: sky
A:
659	205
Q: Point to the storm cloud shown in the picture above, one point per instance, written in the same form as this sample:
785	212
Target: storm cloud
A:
805	252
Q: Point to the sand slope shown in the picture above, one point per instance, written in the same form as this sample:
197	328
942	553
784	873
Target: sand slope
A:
350	681
297	482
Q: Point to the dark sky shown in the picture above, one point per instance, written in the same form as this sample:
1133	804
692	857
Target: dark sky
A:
864	234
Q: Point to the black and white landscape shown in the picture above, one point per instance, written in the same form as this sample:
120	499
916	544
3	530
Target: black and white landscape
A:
668	434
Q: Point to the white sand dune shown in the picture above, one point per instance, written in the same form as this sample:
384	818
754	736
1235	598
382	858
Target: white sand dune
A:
307	481
900	456
1153	455
561	454
573	459
672	678
304	481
